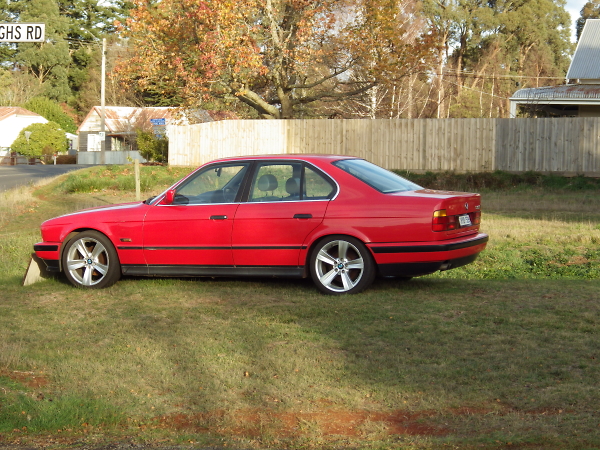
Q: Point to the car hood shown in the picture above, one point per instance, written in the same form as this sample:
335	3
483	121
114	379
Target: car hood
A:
109	209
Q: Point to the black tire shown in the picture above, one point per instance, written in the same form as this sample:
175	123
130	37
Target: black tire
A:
341	265
90	261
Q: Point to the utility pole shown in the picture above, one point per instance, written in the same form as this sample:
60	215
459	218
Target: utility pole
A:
102	106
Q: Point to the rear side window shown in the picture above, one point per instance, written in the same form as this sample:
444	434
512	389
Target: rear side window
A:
378	178
284	182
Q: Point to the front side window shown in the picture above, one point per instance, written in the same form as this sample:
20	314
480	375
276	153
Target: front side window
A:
289	182
215	184
377	177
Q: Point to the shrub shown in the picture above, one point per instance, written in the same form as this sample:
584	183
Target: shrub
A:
45	139
152	148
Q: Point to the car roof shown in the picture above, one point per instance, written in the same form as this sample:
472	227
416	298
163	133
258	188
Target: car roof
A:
294	156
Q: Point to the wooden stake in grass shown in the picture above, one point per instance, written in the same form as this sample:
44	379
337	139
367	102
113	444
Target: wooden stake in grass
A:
138	196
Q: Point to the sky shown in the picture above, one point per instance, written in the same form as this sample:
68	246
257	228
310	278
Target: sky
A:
573	8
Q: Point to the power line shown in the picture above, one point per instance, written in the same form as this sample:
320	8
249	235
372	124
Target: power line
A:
489	77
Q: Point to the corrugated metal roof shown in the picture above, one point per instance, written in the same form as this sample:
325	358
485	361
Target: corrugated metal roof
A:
586	60
125	119
565	92
7	111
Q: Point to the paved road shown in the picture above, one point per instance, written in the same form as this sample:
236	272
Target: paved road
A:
22	174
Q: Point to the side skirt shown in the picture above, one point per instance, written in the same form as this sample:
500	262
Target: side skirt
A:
213	271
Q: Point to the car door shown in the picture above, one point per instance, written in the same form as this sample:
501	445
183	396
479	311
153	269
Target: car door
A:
195	230
286	201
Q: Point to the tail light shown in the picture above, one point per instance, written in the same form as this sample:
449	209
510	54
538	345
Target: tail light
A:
443	222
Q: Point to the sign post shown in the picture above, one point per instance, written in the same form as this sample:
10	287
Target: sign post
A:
22	32
159	127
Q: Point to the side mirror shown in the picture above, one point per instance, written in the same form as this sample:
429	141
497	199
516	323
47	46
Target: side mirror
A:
169	197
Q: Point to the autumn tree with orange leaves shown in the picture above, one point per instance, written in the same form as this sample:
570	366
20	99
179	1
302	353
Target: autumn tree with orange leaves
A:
276	56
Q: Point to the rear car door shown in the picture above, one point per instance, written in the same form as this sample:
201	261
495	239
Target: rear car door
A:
286	201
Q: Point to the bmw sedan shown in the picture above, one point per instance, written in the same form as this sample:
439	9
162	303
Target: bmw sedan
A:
339	220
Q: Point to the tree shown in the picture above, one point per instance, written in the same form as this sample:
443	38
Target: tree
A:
45	139
276	56
46	61
52	111
591	10
487	46
91	20
69	59
17	87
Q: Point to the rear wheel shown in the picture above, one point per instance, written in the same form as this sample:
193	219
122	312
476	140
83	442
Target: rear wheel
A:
341	265
90	261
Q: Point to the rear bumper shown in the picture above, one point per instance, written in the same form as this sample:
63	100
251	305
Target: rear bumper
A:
413	259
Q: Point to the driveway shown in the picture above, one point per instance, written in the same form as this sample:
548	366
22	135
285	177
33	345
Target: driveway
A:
22	174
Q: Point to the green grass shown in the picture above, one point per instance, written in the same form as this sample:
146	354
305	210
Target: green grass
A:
119	178
499	354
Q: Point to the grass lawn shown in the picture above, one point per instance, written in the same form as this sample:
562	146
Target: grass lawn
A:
500	354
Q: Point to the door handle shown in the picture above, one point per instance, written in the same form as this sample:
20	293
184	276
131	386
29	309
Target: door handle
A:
302	216
218	217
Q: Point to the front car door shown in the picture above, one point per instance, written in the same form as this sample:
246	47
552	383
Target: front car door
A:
193	234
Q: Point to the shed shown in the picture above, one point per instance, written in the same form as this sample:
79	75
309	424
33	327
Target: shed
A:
580	96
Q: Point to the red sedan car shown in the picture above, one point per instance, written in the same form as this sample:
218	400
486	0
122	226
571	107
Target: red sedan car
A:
340	220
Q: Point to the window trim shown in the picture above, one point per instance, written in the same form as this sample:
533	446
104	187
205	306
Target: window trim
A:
258	163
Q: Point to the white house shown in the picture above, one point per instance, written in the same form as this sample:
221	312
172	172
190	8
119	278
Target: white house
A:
121	123
12	121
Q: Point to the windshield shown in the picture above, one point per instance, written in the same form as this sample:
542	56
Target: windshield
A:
376	177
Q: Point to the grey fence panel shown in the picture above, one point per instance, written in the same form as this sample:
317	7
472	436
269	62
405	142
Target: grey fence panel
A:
95	158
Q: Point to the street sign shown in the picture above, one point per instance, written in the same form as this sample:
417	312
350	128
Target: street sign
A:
158	122
22	32
159	131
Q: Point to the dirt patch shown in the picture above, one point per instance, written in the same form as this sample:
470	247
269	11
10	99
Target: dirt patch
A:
30	379
328	422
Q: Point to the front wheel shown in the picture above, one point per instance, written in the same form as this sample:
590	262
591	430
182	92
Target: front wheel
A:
341	265
90	261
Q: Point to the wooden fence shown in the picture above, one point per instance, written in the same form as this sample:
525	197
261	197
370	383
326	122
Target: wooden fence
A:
570	146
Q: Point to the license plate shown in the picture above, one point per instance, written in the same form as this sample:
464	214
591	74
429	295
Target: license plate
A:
464	220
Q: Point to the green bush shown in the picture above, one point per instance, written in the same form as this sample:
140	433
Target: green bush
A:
499	180
152	148
45	139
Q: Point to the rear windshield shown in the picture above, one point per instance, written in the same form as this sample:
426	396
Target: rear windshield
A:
376	177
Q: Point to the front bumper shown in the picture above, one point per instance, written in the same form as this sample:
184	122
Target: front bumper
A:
49	252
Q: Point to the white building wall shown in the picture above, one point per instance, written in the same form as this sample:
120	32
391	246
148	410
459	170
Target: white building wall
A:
12	126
